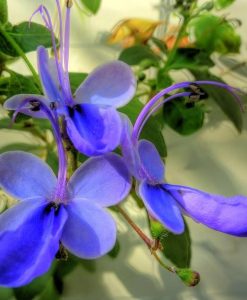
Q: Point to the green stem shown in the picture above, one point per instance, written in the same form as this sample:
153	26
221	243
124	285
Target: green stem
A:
18	49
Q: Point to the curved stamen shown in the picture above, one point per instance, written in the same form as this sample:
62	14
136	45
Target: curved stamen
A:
155	108
60	193
146	109
48	22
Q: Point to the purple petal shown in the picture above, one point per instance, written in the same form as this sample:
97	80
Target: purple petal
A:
152	166
25	176
112	84
162	206
129	152
47	76
104	180
94	130
14	103
90	231
225	214
29	240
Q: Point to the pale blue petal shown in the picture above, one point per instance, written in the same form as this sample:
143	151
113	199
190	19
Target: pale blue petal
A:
112	84
47	76
90	231
152	166
29	240
225	214
14	103
94	130
104	180
161	205
25	176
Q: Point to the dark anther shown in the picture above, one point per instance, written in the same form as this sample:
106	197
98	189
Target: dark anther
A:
52	206
197	93
53	105
62	253
69	3
35	105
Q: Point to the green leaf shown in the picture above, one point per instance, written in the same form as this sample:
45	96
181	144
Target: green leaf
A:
177	248
52	160
88	265
137	54
223	98
115	250
36	287
3	11
34	149
76	79
18	84
182	119
92	5
151	130
163	80
190	58
28	38
6	294
50	292
213	33
160	44
219	4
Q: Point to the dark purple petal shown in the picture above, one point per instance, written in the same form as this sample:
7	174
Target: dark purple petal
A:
104	180
152	166
162	206
225	214
48	76
94	130
25	176
90	231
29	240
112	84
14	103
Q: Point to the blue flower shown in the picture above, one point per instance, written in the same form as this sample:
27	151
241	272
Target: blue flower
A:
93	123
30	231
166	202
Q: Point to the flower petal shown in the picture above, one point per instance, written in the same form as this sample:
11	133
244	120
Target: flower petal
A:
225	214
94	130
162	206
112	84
29	240
152	166
48	75
104	180
25	176
14	103
90	231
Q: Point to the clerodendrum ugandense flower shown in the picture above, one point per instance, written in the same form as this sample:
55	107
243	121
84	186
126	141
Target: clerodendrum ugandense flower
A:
53	210
93	123
166	202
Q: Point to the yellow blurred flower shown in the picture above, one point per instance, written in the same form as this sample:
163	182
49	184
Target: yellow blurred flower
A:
129	32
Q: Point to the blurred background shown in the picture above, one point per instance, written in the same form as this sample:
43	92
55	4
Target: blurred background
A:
213	159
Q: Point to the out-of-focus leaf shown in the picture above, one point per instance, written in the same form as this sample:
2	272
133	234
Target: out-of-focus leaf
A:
52	160
177	248
18	84
35	288
219	4
6	294
235	65
160	44
151	130
76	79
182	119
137	54
50	292
92	5
115	250
223	98
3	11
163	80
35	149
190	58
214	33
89	265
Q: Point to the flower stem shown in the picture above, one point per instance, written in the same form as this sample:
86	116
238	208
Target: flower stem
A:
18	49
